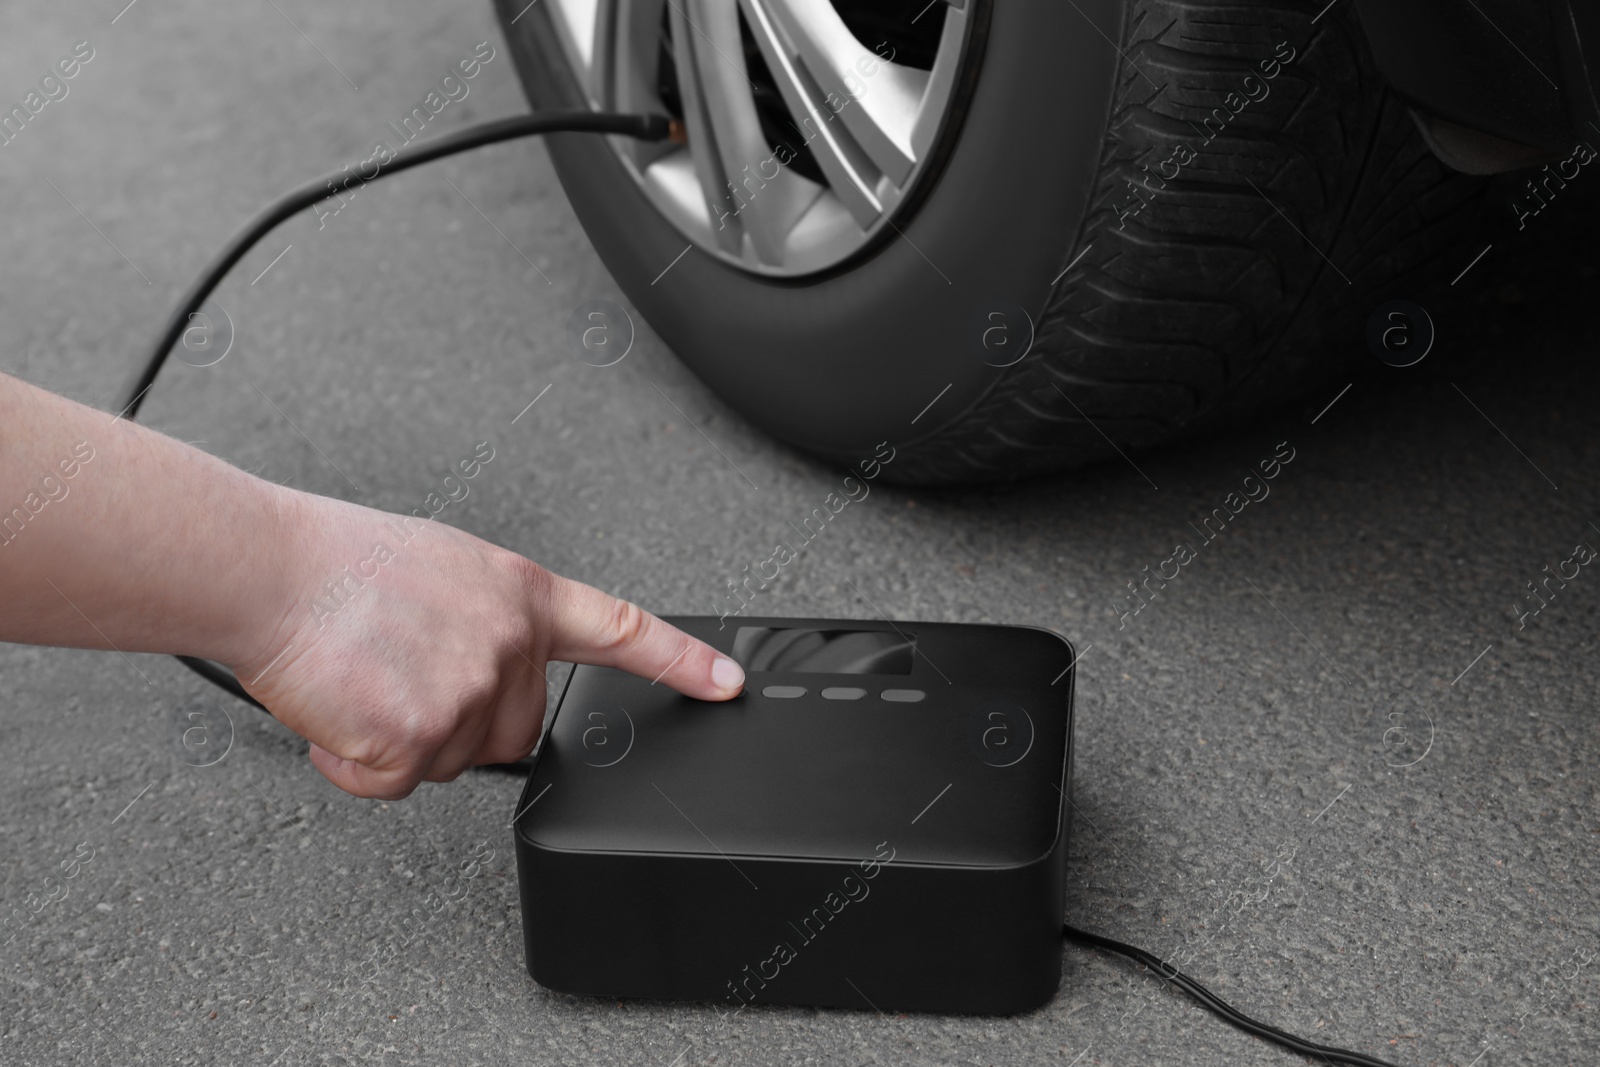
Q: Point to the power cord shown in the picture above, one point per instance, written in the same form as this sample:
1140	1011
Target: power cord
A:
1218	1007
645	128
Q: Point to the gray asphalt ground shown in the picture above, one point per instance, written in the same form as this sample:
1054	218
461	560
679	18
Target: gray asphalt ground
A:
1325	769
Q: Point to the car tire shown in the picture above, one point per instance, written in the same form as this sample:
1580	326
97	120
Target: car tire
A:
1176	214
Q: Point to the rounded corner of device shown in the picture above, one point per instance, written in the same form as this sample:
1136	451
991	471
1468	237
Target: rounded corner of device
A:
1071	648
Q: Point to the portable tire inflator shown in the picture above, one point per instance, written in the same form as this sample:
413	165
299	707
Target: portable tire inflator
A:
880	820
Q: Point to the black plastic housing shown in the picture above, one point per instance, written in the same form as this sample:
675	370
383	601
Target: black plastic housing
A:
862	853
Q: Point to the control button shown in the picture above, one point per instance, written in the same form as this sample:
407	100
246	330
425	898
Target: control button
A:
784	691
843	692
903	696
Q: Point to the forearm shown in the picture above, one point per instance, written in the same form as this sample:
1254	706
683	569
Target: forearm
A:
115	536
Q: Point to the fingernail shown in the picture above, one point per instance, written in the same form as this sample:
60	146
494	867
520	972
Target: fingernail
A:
727	674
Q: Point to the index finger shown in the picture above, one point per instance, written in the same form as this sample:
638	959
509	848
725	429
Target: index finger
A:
589	626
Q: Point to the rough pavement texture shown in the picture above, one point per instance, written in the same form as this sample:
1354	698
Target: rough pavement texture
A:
1325	768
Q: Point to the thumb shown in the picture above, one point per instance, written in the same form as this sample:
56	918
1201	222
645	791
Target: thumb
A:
588	626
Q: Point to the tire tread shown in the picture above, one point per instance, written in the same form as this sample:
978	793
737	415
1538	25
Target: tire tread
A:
1206	306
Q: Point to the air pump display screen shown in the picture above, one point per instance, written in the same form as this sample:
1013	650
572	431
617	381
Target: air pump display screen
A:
759	648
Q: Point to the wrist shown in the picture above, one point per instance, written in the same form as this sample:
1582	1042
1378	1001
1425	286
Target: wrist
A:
263	617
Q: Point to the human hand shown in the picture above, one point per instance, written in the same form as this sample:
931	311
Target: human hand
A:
414	663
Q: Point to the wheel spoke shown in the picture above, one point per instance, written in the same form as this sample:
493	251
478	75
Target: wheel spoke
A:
758	195
628	68
697	119
858	111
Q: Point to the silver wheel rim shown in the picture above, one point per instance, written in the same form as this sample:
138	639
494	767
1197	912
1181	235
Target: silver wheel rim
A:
862	121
